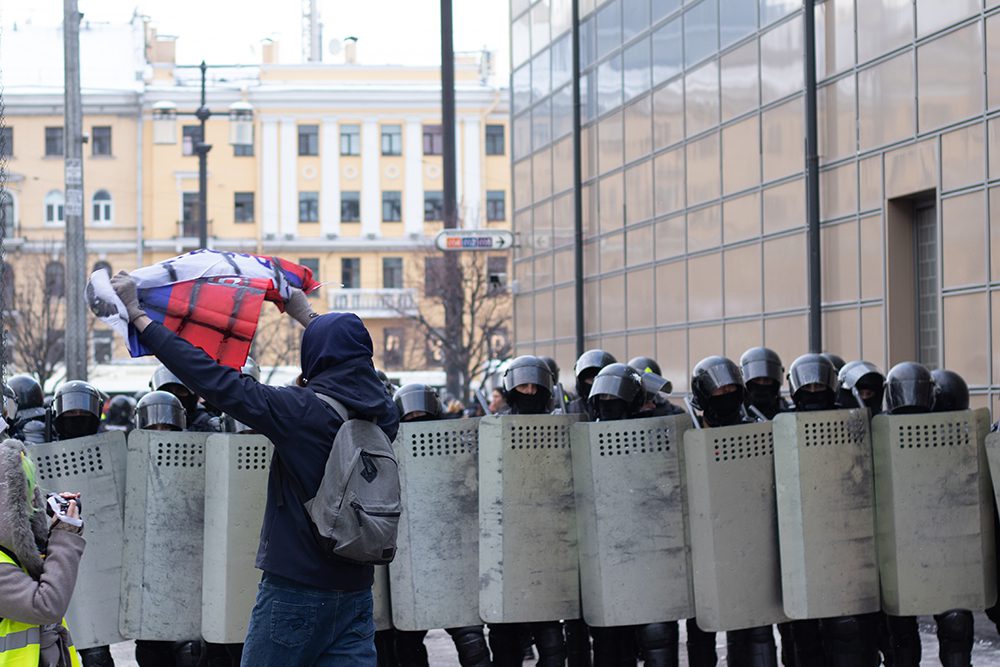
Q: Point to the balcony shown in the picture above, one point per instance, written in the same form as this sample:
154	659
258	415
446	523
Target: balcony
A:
374	304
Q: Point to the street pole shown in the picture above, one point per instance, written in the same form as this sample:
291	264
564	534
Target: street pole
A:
454	305
812	182
202	148
75	337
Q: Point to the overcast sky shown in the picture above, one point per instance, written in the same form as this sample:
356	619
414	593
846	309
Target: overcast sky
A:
230	31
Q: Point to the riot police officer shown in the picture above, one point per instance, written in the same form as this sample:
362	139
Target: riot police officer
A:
418	403
585	370
30	424
951	393
120	413
835	359
860	384
527	388
198	418
719	393
160	411
763	375
656	387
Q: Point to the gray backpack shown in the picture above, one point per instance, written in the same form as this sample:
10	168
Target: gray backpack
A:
355	513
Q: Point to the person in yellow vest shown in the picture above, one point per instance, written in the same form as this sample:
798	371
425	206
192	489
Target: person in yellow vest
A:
39	559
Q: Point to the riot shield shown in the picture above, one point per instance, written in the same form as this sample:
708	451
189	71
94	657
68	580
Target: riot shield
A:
826	513
94	466
164	535
630	516
528	568
381	608
236	469
437	545
734	527
934	509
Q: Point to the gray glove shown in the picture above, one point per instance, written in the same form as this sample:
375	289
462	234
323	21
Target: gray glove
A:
299	308
124	287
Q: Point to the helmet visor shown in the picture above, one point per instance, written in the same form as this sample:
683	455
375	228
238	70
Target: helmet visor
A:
77	400
160	414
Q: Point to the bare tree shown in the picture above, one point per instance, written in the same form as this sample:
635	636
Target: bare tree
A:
277	341
486	315
36	317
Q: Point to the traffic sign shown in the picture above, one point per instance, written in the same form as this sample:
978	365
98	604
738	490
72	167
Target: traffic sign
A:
474	239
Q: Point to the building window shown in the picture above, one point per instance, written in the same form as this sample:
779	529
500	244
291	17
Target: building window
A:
350	140
308	139
189	214
392	205
311	263
55	280
6	142
102	265
496	208
54	202
392	272
190	137
308	207
7	211
926	260
100	140
434	276
392	140
350	272
494	140
243	206
496	273
433	140
243	150
350	206
54	141
433	205
102	207
392	349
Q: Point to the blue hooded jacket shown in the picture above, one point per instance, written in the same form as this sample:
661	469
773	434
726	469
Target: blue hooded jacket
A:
336	361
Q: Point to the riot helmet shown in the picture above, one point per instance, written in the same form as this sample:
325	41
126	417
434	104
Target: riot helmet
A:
164	380
29	396
645	365
76	409
812	380
763	374
835	359
251	369
617	393
417	402
160	410
120	411
951	393
909	389
527	385
587	367
553	368
860	382
717	390
9	404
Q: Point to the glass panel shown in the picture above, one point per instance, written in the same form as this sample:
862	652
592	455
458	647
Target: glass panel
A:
782	140
741	155
588	150
542	176
612	249
741	218
740	81
541	79
610	143
840	262
636	17
588	43
912	168
562	220
966	341
609	27
613	304
669	178
963	237
522	136
520	40
788	334
562	155
742	281
638	129
668	114
670	238
785	273
741	336
885	102
588	96
840	332
668	57
541	125
562	61
562	16
838	192
521	89
663	7
834	36
611	209
562	111
772	10
522	184
639	192
704	229
640	296
540	26
871	183
948	89
781	69
933	15
544	320
701	94
837	120
543	271
737	19
883	25
995	236
704	280
609	84
701	31
639	245
637	69
871	259
993	59
784	207
703	170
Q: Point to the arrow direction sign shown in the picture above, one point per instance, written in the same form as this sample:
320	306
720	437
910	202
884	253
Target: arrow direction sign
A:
474	239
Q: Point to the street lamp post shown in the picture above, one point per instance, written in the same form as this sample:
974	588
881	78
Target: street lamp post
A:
201	148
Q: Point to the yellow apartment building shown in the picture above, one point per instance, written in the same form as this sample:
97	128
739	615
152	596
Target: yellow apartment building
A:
344	174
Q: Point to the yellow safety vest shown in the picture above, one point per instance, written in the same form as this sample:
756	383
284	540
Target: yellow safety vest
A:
20	643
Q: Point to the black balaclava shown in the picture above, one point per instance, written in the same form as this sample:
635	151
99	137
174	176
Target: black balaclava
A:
814	401
529	404
612	409
764	397
78	426
724	409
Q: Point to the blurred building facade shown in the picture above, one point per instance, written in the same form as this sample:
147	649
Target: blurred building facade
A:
694	216
344	174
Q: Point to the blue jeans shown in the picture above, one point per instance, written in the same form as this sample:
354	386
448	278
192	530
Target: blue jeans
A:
293	625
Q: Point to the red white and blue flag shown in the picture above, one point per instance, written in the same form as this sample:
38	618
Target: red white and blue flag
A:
210	298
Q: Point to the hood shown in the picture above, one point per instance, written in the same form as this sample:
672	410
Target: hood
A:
21	532
337	362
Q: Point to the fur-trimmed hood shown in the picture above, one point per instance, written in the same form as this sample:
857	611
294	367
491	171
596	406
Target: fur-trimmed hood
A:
21	532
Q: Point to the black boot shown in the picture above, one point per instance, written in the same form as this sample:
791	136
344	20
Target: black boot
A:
752	647
97	656
904	636
189	653
410	649
154	654
807	643
700	646
850	641
658	642
787	645
955	637
471	646
577	643
506	644
550	642
385	648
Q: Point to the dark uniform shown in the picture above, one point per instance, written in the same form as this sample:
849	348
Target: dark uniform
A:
29	425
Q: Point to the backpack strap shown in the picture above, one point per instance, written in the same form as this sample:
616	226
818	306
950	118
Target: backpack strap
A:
337	406
284	471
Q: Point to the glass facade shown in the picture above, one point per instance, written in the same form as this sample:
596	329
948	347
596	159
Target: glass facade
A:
693	191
